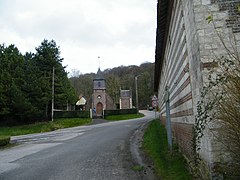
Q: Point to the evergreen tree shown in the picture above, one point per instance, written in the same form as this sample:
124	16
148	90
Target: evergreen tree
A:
47	57
14	105
26	83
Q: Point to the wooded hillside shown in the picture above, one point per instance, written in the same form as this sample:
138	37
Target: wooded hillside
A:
120	78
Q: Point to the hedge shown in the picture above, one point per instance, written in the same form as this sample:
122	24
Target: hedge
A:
4	140
120	111
71	114
86	114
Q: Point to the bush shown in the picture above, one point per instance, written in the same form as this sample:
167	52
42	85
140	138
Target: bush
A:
4	140
71	114
120	112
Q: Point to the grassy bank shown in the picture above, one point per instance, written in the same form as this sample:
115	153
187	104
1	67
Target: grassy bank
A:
42	126
124	117
4	140
168	166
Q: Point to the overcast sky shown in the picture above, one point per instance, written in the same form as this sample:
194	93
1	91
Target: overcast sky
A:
120	32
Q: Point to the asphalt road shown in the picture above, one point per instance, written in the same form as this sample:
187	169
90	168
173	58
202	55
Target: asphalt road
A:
98	152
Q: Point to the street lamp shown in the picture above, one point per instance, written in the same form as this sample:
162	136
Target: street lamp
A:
136	88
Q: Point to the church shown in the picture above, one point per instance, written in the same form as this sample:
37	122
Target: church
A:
100	99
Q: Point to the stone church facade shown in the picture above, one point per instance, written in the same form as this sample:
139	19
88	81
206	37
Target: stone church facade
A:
186	45
100	99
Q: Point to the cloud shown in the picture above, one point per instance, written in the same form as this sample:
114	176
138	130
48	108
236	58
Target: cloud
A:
122	32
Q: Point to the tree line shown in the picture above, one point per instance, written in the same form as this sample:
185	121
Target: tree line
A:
26	83
117	78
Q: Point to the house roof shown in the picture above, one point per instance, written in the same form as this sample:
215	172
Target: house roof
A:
164	10
81	101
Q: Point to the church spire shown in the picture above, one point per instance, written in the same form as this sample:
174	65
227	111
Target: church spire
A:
98	62
99	72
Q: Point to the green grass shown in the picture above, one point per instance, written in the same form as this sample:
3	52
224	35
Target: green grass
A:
43	126
168	166
123	117
137	168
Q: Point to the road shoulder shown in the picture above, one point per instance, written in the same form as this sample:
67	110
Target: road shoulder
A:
139	156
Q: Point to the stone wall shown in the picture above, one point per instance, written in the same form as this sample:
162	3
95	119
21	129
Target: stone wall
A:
192	45
214	40
231	6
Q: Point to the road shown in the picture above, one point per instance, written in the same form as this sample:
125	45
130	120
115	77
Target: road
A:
98	152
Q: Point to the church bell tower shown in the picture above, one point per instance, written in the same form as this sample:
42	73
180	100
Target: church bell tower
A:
99	94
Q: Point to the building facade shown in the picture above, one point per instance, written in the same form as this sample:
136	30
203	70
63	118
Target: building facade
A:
125	99
100	98
186	45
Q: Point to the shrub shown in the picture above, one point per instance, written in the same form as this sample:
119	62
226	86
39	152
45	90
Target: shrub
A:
71	114
4	140
120	112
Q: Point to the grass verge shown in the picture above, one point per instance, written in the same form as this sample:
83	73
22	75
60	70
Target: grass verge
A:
4	140
168	166
43	126
123	117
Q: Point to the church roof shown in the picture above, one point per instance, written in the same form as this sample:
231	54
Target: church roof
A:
99	74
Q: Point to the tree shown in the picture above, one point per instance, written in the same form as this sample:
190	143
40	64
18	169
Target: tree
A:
113	87
4	109
47	57
26	83
145	88
14	104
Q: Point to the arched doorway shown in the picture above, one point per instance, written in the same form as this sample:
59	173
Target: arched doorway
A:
99	109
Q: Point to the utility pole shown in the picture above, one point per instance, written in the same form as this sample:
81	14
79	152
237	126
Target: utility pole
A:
53	92
136	89
168	119
155	104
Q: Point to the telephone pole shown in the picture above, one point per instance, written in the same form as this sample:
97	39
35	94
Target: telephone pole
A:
136	89
168	118
53	92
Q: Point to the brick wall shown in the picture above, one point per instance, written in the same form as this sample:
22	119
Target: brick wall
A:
125	99
179	74
125	103
183	136
96	100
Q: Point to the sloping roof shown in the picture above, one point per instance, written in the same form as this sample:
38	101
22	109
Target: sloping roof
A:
99	74
81	101
164	11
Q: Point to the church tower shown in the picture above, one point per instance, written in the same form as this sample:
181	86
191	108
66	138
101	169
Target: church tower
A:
99	94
